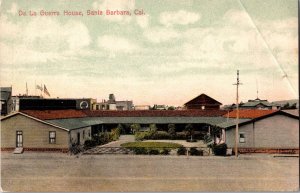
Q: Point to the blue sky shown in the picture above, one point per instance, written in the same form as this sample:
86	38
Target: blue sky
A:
176	51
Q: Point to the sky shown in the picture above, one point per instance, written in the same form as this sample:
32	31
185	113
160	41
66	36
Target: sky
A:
170	54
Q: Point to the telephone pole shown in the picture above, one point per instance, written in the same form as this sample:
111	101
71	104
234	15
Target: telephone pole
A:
26	89
237	115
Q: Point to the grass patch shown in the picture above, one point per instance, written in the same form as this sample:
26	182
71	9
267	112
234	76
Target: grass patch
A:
151	145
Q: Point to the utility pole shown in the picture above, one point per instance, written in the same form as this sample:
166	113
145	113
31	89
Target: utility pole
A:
26	89
256	90
237	115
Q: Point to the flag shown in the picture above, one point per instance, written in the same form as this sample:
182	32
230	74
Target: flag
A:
46	91
39	87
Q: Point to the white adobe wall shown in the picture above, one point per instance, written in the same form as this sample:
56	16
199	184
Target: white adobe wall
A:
278	131
87	135
247	130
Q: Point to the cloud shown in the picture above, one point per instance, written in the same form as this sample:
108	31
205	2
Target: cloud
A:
9	30
14	9
280	34
180	17
78	37
158	35
19	54
116	44
120	5
229	44
42	39
237	18
49	35
143	21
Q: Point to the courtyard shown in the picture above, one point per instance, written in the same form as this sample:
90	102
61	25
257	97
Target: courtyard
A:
61	172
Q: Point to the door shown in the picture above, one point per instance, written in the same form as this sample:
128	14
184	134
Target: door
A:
19	141
78	138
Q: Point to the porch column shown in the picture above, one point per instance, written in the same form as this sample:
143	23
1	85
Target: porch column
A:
223	135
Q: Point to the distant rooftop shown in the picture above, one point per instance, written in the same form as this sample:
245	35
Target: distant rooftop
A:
255	102
249	113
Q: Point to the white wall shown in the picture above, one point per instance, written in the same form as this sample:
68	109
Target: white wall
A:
278	131
87	131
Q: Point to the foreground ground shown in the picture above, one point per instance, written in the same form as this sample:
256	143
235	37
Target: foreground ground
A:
61	172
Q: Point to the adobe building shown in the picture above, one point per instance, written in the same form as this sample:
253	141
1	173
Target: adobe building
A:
262	131
58	130
203	102
35	133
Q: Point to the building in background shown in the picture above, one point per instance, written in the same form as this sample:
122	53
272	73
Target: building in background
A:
16	101
203	102
257	104
113	104
160	107
141	107
287	104
6	100
37	103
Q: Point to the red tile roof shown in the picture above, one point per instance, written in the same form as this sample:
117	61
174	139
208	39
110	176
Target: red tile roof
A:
249	113
55	114
63	114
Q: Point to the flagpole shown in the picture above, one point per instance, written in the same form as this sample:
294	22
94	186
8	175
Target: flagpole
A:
26	89
34	87
42	90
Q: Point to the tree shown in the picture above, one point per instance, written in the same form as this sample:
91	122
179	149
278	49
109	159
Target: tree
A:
286	106
172	130
121	128
190	130
171	108
135	127
153	127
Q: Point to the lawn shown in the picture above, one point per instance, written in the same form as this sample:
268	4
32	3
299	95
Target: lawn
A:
151	145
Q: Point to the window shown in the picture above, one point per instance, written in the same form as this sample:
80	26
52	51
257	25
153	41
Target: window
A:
242	138
89	133
83	134
52	137
19	142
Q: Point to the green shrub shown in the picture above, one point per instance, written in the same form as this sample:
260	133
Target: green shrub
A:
153	127
139	150
160	135
195	151
181	151
103	138
135	127
151	145
219	149
172	131
90	143
165	152
115	134
181	136
140	136
153	152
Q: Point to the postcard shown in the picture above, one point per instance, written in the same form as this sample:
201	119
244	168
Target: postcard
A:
137	95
